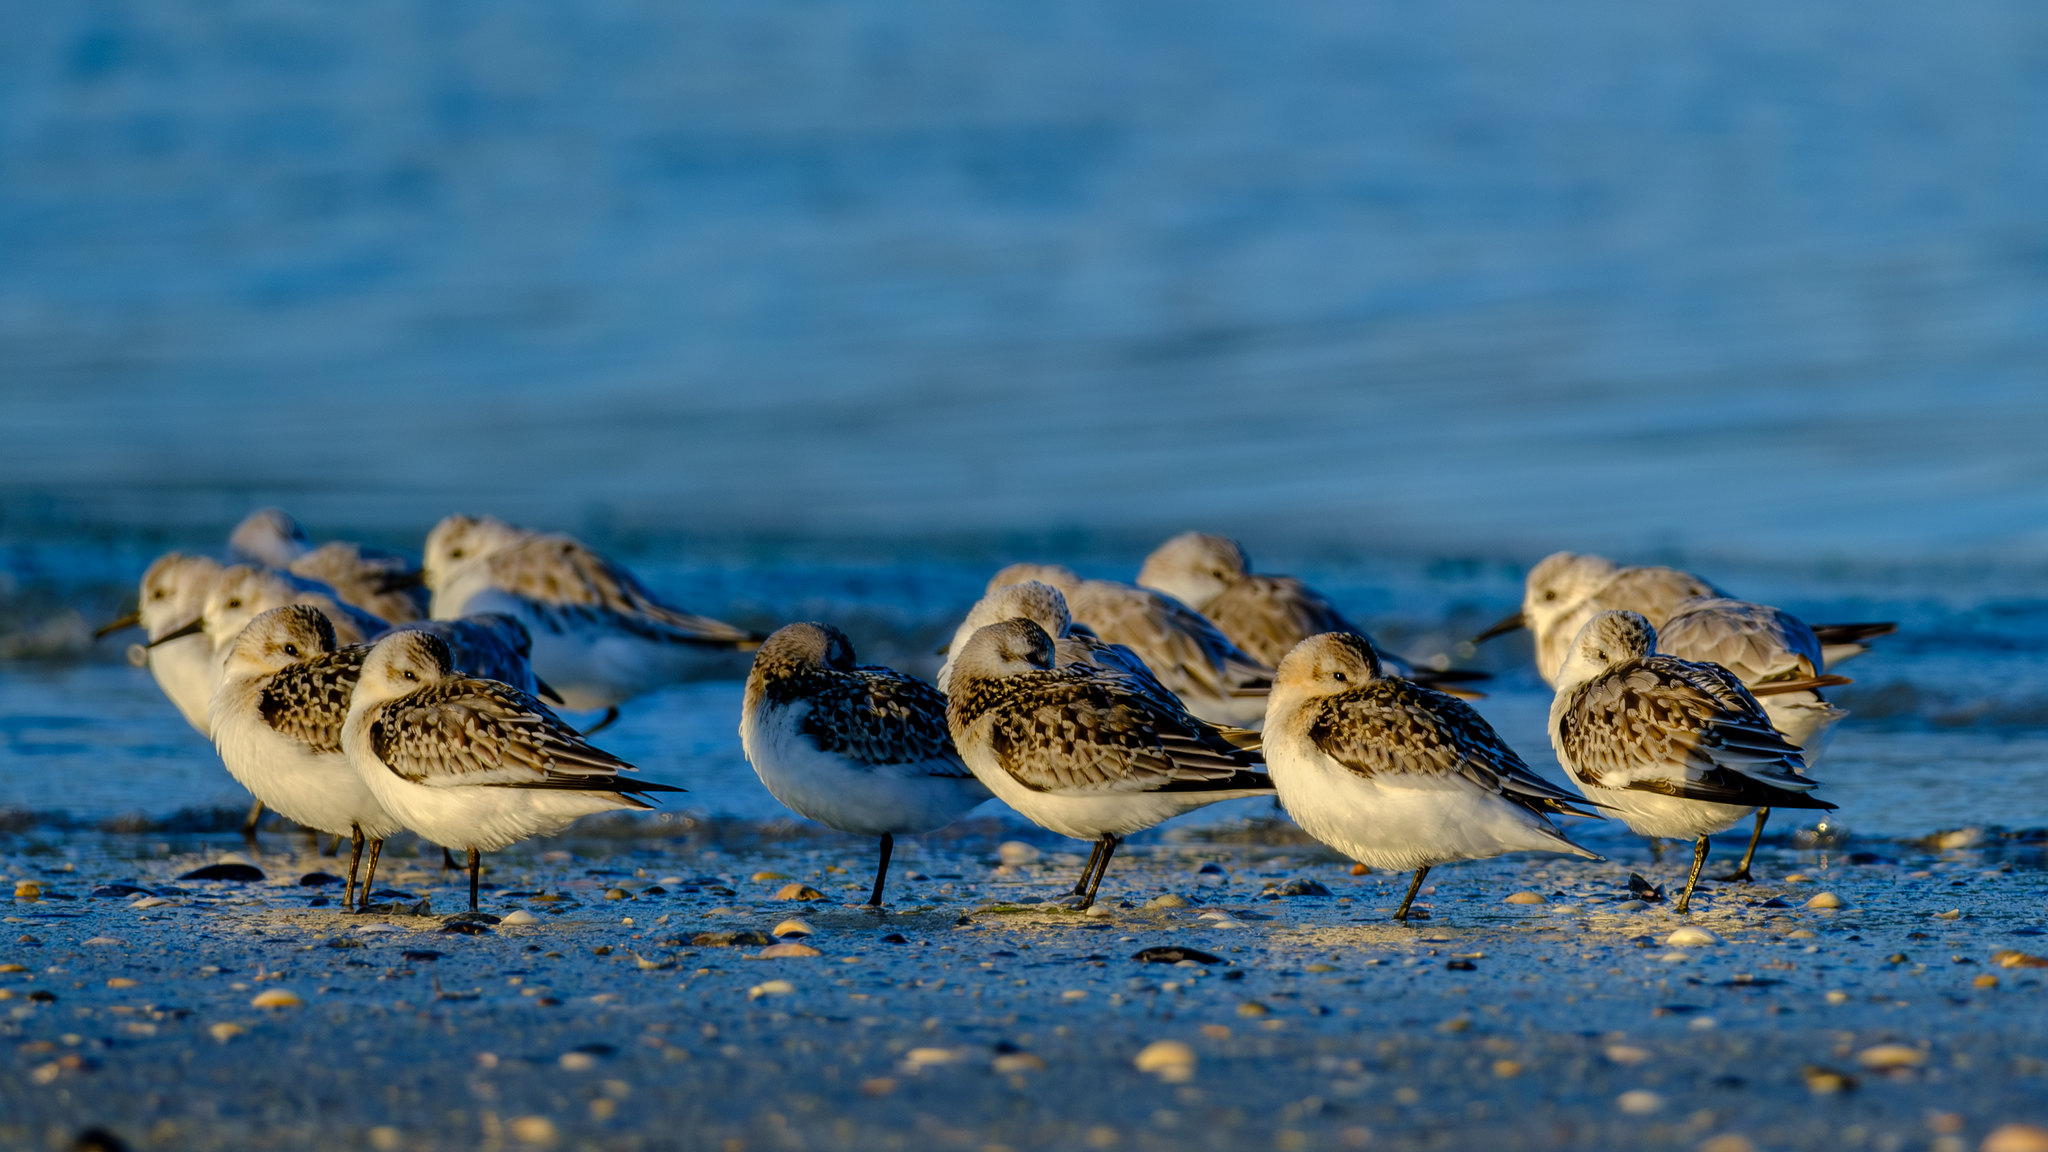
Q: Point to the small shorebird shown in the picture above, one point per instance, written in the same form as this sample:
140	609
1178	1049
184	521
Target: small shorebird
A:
489	646
384	584
860	749
1043	605
276	720
1076	751
1395	774
599	636
1262	614
469	763
1777	657
173	594
1214	678
1676	749
1566	589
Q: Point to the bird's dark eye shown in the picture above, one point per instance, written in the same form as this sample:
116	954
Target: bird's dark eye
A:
234	603
157	595
1340	676
1600	656
291	649
455	553
1550	595
410	676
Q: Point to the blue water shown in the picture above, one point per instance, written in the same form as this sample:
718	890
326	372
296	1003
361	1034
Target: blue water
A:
825	311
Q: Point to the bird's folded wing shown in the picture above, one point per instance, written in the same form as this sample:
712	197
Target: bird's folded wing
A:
1677	728
886	720
1392	730
1182	647
471	732
308	701
1267	616
1062	733
560	572
1754	641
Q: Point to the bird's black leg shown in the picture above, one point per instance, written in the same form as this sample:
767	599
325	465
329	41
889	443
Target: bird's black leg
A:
1699	861
1109	844
882	870
1088	873
1741	873
1414	886
448	863
370	877
355	858
250	822
475	864
610	714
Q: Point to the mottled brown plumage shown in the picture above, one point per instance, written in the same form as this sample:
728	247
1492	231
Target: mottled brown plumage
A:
570	586
870	714
469	732
308	701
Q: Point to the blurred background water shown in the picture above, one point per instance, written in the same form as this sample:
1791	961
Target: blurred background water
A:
824	310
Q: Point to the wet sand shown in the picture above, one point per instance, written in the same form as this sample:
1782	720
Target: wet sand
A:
972	1015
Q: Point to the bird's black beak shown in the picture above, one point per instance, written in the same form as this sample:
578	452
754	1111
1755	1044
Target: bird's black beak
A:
942	649
1506	625
192	629
129	620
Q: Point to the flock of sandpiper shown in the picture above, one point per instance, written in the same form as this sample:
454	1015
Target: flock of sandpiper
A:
358	694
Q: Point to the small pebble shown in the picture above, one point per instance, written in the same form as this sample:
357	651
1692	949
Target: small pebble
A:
1098	912
537	1130
617	894
1798	878
1825	900
1525	898
1727	1142
225	1032
1013	1062
103	941
763	877
150	902
1167	901
1639	1102
2016	1138
577	1061
1951	914
275	998
517	917
770	988
1987	980
1626	1054
123	982
1884	1057
1691	937
2007	958
1170	1060
877	1086
1360	870
1016	852
1253	1008
929	1057
27	890
794	927
798	892
787	951
1838	997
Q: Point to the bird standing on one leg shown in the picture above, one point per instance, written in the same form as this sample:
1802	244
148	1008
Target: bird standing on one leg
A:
860	749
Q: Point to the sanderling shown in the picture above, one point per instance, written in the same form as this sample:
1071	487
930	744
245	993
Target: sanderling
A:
490	646
1045	606
1266	615
276	719
1214	678
1676	749
470	763
1777	657
1076	751
860	749
1395	774
384	584
173	594
599	636
1565	589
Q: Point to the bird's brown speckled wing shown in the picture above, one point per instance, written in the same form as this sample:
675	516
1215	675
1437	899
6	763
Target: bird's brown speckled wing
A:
1756	642
882	718
470	732
1268	615
1067	730
308	701
1660	724
562	577
1389	728
1182	647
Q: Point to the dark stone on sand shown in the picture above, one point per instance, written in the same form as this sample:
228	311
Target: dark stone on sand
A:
98	1140
1461	966
1643	890
419	955
391	894
467	928
344	942
112	891
597	1049
470	918
318	879
1173	954
895	938
43	996
234	873
1302	886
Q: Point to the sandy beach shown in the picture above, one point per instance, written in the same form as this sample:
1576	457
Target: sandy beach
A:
974	1015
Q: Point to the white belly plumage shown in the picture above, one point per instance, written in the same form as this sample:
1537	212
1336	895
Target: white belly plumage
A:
867	800
314	789
183	668
1668	817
